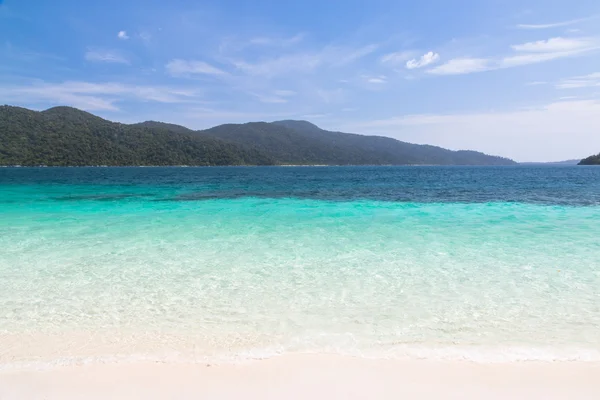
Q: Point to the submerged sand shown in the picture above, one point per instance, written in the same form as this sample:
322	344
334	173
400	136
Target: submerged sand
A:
308	376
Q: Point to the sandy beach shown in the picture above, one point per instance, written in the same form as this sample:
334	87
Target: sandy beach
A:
306	376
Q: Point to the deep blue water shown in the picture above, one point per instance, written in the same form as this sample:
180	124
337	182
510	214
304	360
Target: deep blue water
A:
568	185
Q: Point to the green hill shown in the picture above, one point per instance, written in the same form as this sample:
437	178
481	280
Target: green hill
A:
591	160
385	150
65	136
302	143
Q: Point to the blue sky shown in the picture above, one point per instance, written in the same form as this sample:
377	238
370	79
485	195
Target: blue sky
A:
514	78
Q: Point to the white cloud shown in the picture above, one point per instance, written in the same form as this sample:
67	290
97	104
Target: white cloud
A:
546	50
179	67
94	96
426	59
536	83
122	35
556	131
106	56
526	53
585	81
459	66
557	44
554	25
532	58
397	58
376	79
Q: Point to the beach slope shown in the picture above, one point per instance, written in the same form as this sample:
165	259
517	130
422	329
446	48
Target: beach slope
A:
301	377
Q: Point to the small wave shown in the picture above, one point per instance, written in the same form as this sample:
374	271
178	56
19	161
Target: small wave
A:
474	354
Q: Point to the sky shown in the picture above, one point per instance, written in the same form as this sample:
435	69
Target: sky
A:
520	79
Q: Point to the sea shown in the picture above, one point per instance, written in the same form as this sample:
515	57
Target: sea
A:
230	264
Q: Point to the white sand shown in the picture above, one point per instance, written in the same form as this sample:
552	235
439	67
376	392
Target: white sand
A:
303	377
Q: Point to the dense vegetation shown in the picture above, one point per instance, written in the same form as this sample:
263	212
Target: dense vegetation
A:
64	136
385	150
591	160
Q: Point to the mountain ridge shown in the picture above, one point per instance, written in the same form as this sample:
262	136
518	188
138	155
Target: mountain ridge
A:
69	136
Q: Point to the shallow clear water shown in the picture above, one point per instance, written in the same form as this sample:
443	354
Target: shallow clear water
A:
486	264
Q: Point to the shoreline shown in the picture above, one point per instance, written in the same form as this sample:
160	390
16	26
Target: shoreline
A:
267	165
9	363
31	352
306	376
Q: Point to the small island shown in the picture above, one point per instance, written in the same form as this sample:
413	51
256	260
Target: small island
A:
591	160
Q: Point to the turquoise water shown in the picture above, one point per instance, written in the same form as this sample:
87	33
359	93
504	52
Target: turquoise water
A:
485	264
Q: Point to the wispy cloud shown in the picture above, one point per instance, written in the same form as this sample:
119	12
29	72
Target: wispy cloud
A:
557	44
94	96
547	50
233	44
108	56
304	62
179	67
376	79
531	58
276	97
460	66
277	42
536	83
426	59
344	56
524	54
397	58
554	24
122	35
584	81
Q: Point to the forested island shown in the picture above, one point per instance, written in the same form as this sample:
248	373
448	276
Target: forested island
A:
65	136
591	160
